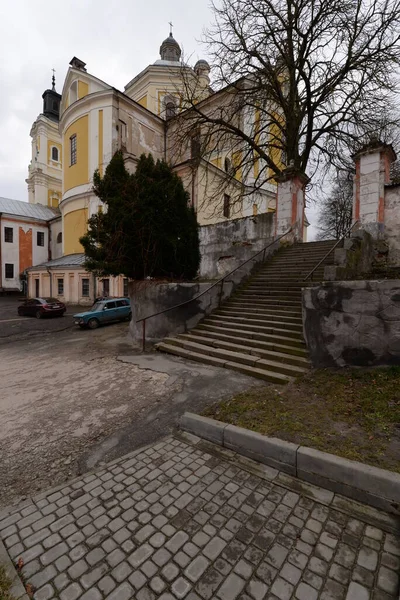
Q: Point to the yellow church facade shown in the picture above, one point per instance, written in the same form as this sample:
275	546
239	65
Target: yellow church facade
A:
80	130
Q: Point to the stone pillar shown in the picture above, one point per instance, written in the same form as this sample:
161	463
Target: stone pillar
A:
372	173
290	203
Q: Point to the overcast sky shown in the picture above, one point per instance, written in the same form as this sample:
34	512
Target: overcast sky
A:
115	39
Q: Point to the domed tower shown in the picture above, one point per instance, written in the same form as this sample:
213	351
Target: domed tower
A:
170	50
202	70
51	102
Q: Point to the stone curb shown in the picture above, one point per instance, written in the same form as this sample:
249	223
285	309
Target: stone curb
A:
370	485
17	590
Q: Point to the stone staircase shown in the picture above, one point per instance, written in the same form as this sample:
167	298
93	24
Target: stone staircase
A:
259	330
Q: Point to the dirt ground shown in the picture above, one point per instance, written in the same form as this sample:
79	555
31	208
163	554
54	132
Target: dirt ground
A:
71	399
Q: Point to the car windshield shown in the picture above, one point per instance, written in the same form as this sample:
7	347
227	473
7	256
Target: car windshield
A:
51	300
97	306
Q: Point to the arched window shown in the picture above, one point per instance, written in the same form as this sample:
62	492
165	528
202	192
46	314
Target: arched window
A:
170	110
228	166
59	238
54	154
73	92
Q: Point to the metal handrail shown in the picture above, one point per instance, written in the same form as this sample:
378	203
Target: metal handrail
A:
330	251
220	281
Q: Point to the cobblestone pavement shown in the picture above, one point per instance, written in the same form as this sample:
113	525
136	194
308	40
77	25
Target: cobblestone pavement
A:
184	519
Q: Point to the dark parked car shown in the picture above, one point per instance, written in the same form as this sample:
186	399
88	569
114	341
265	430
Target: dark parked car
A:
42	307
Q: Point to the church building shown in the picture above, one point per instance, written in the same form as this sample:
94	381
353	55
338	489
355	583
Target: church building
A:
79	131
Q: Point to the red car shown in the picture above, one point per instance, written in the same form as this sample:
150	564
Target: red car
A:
42	307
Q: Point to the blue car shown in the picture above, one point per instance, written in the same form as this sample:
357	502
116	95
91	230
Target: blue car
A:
105	311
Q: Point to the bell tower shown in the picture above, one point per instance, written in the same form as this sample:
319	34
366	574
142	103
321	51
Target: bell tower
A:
52	101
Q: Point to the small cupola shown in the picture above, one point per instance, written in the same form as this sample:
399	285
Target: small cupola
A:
202	70
51	102
170	50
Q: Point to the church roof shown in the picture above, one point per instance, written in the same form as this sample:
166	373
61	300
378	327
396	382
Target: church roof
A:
25	209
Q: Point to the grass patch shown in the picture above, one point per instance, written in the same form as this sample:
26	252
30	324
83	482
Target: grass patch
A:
354	413
5	585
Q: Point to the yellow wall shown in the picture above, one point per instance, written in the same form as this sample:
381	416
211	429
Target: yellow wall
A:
237	158
75	225
83	89
77	174
50	143
101	142
53	198
217	162
143	101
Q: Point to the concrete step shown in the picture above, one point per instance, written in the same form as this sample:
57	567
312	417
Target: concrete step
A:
261	373
250	338
239	346
293	331
266	301
280	336
237	356
274	287
272	293
269	308
254	313
259	320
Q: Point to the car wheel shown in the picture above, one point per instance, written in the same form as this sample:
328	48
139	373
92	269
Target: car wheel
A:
129	317
38	314
93	323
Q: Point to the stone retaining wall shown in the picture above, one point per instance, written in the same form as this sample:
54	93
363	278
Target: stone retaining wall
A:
353	323
226	245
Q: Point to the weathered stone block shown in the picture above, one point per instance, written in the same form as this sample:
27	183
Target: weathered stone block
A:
270	451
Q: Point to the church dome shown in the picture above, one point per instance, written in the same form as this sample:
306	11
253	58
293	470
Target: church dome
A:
202	65
170	49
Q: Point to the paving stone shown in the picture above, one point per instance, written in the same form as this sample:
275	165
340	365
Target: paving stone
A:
89	579
367	558
357	592
92	594
214	548
140	555
196	568
388	580
306	592
333	590
78	569
290	573
72	592
257	589
43	577
123	592
231	587
121	572
149	568
45	593
180	587
282	589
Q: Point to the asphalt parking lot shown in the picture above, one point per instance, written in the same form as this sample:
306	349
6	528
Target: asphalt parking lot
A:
13	327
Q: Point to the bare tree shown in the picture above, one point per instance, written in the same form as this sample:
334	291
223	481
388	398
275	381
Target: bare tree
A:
336	209
298	82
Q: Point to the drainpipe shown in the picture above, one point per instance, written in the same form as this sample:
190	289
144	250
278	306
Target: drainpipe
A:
49	243
165	141
1	263
51	282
